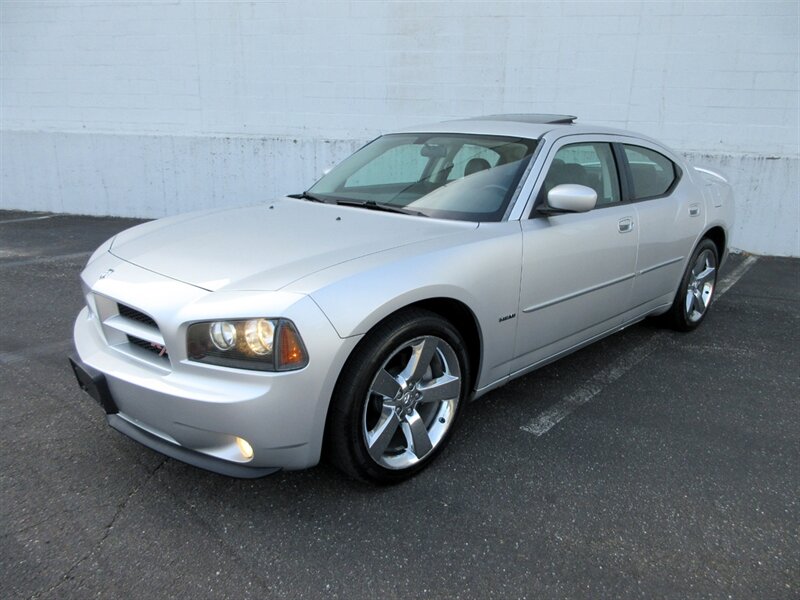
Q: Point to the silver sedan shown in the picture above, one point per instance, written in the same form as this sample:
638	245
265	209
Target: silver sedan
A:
355	320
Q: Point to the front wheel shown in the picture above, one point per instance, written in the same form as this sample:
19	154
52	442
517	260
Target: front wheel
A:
697	288
398	398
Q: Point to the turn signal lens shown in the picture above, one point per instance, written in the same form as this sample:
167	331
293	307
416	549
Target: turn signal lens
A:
292	354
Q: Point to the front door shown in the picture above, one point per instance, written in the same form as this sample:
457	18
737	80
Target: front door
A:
577	268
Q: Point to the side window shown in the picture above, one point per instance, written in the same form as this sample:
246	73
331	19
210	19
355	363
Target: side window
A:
652	173
401	164
589	164
470	159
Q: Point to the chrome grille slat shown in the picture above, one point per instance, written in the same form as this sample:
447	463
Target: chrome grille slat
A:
135	328
132	332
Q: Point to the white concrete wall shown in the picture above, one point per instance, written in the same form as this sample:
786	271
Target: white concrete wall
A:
148	109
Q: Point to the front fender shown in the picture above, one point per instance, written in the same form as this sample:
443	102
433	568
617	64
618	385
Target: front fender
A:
480	268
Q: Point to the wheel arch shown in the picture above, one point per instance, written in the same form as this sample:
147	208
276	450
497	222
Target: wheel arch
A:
453	310
463	319
717	235
456	312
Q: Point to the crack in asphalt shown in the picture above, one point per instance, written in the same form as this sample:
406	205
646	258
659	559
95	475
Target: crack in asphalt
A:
108	528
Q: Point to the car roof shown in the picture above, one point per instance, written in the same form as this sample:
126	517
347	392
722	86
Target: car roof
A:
531	126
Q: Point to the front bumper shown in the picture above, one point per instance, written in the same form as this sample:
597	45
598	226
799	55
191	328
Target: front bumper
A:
94	383
195	412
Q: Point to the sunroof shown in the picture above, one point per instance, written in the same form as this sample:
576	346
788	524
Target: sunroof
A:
529	118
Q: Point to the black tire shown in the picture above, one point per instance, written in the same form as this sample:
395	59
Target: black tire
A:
376	436
696	291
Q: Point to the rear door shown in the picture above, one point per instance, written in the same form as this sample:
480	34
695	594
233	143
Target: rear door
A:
670	220
578	268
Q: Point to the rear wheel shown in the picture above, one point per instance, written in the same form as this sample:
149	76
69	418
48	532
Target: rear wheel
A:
696	290
398	398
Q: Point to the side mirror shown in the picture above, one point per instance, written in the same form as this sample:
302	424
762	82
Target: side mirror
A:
570	197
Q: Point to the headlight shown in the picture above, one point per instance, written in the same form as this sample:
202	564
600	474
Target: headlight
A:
259	335
222	334
259	344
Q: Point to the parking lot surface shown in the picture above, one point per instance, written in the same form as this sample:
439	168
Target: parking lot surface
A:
650	465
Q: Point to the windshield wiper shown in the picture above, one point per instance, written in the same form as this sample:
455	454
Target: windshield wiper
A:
308	196
372	205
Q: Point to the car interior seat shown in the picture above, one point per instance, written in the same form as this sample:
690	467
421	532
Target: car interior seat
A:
475	165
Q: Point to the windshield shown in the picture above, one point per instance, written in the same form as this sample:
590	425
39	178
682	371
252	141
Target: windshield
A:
450	176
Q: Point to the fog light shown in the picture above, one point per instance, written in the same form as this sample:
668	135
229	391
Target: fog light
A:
245	448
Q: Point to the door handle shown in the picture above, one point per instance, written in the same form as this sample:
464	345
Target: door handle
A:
694	210
625	225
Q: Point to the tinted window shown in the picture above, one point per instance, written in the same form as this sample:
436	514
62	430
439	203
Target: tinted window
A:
652	173
589	164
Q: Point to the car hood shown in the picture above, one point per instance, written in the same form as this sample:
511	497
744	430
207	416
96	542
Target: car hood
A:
269	246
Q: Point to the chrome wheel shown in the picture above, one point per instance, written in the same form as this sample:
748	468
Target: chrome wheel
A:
700	288
411	402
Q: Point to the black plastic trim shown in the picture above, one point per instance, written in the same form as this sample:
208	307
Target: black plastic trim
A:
93	382
623	172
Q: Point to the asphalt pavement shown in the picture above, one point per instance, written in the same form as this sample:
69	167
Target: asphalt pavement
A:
650	465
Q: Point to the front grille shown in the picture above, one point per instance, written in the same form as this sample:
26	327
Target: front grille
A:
153	344
135	315
130	331
156	349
